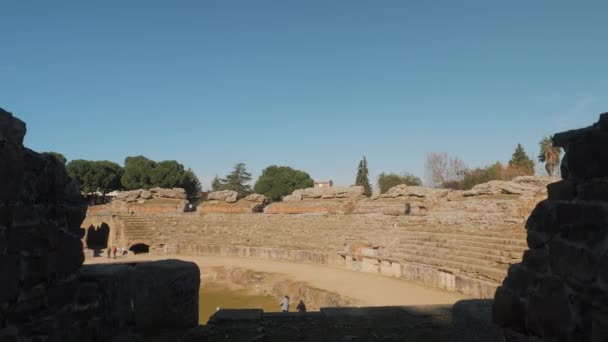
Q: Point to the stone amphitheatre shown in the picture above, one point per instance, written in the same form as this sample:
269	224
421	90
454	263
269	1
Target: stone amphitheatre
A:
460	241
499	261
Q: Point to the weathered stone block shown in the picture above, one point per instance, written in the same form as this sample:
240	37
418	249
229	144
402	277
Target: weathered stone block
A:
599	317
588	160
115	293
9	334
572	262
542	218
88	292
508	310
35	271
30	303
537	239
44	177
35	238
5	215
520	280
165	295
62	292
603	122
12	130
603	271
577	212
549	313
562	190
11	167
69	253
9	269
593	190
586	231
536	260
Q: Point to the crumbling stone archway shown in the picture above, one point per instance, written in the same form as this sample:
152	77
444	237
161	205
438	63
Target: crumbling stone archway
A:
140	248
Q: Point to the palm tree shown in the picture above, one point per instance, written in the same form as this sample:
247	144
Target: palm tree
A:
549	154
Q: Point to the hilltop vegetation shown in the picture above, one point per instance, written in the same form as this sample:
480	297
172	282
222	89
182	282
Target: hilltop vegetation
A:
139	172
442	171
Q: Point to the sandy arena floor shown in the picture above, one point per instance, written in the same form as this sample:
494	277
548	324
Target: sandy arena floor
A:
369	289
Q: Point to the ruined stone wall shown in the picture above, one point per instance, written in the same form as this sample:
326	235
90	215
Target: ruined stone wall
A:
559	292
45	293
40	248
226	202
332	200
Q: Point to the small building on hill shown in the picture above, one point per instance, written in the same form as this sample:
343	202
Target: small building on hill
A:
324	184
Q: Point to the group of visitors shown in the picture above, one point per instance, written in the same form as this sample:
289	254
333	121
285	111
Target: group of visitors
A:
112	251
285	305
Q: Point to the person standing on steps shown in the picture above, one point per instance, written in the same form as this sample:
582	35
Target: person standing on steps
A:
114	251
301	306
285	304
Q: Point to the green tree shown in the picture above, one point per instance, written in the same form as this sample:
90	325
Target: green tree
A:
363	177
521	161
481	175
237	180
81	171
60	157
143	173
216	184
103	176
278	181
549	154
167	174
192	185
389	180
138	173
107	175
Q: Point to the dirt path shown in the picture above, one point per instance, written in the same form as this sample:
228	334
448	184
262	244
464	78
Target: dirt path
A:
369	289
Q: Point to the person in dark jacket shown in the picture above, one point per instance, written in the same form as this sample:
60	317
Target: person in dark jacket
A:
301	306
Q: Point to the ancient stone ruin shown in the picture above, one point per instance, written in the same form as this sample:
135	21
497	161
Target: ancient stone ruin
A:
332	200
156	200
559	292
226	201
45	292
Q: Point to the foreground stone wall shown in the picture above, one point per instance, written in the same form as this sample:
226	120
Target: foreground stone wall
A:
45	295
40	249
559	292
148	297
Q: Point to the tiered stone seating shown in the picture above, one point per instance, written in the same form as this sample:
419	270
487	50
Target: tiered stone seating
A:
473	263
476	256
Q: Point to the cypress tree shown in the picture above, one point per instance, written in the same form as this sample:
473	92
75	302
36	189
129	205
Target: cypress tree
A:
521	161
363	177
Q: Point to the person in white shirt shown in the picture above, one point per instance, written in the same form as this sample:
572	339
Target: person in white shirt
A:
285	304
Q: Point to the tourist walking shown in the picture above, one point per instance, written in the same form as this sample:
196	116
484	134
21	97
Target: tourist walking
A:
301	306
285	304
114	251
109	251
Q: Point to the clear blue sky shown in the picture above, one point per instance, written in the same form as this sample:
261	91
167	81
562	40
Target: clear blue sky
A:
309	84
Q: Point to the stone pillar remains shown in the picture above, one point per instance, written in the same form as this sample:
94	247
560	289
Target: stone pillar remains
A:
559	292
